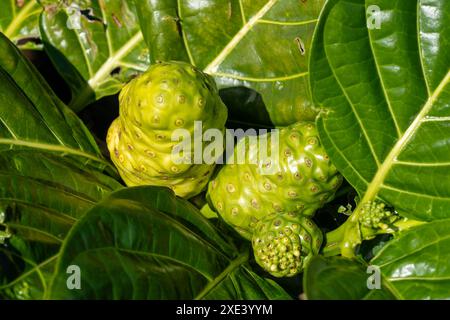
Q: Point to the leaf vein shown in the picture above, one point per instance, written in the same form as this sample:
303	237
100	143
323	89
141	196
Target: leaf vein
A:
244	78
212	67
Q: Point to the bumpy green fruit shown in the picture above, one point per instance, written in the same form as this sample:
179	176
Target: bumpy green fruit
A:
283	243
168	96
303	182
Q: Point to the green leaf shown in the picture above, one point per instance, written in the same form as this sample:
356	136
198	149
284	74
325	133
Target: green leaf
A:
262	46
32	116
163	248
19	21
413	266
244	284
416	264
51	170
42	197
95	52
338	278
31	284
386	94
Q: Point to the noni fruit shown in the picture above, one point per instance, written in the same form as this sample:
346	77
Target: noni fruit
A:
283	243
303	179
167	97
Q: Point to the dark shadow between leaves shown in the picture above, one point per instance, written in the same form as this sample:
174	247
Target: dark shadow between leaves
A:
45	67
82	93
247	104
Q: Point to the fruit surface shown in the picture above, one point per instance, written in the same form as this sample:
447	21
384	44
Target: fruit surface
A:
283	243
302	179
167	97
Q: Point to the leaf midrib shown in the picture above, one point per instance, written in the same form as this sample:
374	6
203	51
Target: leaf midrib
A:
157	255
36	268
18	20
108	30
52	148
252	79
98	79
114	60
231	267
61	216
150	254
213	65
377	182
420	279
207	244
34	230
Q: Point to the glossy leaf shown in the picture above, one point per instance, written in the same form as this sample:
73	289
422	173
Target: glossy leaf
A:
262	46
33	118
386	94
416	264
338	278
51	170
30	284
412	266
96	46
42	197
164	248
19	21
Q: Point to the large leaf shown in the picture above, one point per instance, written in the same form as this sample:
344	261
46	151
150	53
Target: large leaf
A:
51	171
338	278
19	21
31	114
416	264
386	96
96	49
413	266
30	284
161	247
261	45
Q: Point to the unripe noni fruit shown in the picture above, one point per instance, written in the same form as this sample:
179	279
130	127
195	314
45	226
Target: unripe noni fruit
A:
167	97
283	243
302	180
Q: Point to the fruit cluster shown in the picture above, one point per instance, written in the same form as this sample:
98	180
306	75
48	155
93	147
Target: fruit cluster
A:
273	210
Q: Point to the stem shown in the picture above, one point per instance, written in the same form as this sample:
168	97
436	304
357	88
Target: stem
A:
19	19
352	236
333	241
